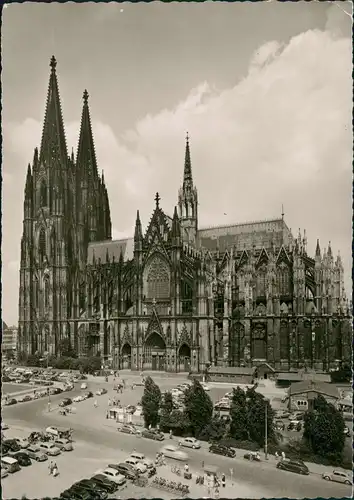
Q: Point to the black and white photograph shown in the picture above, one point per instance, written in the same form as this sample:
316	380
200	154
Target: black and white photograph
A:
176	250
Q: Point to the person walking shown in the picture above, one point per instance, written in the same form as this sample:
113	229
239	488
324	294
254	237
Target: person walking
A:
50	468
223	480
171	434
55	470
95	404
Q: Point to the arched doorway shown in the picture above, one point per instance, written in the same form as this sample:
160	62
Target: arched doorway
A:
184	358
126	357
154	352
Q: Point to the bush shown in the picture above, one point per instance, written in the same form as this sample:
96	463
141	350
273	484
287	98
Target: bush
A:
243	445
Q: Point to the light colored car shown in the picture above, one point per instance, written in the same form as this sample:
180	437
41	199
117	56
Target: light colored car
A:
138	456
49	449
4	473
4	426
190	442
64	444
77	399
134	462
23	442
205	386
83	386
35	453
338	477
174	452
114	475
149	464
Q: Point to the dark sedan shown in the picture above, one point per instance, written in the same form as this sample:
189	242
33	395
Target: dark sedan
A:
92	487
153	434
104	483
127	470
76	494
12	445
296	466
219	449
22	458
65	402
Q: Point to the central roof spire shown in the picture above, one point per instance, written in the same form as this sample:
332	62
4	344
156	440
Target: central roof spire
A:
53	146
187	174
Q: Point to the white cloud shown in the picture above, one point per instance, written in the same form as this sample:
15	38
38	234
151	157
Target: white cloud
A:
281	135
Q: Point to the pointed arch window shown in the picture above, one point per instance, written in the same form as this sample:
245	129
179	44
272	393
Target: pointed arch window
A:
283	279
43	196
261	281
53	245
42	251
46	293
157	279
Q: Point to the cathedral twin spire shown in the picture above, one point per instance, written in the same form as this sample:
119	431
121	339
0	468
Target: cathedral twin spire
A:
53	145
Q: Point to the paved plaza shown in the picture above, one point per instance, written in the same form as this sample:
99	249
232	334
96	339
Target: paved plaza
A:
98	442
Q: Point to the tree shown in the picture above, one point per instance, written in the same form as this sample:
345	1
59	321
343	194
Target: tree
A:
324	429
166	409
66	350
198	407
151	403
215	430
239	415
178	422
257	407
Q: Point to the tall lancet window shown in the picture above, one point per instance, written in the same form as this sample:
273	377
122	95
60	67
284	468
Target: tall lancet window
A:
261	281
283	279
46	292
43	194
42	251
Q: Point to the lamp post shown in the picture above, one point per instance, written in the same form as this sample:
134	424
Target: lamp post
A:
313	337
266	430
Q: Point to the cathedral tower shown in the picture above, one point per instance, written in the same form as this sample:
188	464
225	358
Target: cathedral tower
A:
188	202
65	207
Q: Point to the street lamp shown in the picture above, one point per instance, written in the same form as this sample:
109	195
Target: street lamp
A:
313	336
266	430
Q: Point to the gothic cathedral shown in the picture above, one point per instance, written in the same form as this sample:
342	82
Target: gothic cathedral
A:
174	297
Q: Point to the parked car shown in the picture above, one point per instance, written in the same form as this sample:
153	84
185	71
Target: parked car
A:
127	470
76	493
338	477
171	451
49	449
12	445
65	402
190	442
77	399
104	483
36	453
22	458
137	464
10	402
64	444
4	426
10	464
252	456
93	488
279	425
205	386
4	473
153	434
88	394
129	429
293	466
22	442
219	449
83	386
295	425
114	475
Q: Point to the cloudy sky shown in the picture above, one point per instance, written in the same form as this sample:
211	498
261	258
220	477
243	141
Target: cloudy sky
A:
263	89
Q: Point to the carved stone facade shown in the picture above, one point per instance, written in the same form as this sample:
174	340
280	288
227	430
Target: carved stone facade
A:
175	297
